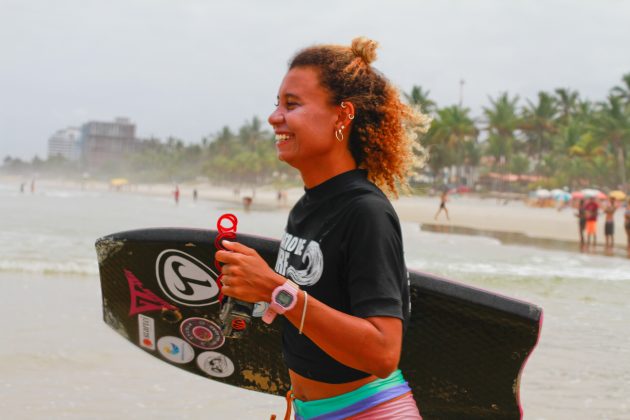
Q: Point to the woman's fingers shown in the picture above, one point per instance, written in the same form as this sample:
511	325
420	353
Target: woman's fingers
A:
227	257
237	247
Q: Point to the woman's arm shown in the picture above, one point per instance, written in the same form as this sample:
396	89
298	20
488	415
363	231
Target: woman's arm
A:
372	345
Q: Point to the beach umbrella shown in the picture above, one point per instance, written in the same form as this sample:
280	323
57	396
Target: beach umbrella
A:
118	182
563	196
560	195
542	193
591	192
617	195
577	195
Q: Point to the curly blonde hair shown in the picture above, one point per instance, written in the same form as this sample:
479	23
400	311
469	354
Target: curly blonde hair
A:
384	131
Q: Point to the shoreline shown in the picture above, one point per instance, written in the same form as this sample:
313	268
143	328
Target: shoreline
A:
511	222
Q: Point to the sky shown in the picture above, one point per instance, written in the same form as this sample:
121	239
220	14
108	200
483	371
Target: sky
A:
187	68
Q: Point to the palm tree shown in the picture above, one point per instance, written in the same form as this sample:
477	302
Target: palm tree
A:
568	101
623	91
450	131
538	125
502	121
612	127
420	98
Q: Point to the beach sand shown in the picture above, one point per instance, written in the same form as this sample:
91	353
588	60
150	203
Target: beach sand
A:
511	221
469	214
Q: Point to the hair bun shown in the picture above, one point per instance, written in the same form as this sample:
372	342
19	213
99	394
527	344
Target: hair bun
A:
365	49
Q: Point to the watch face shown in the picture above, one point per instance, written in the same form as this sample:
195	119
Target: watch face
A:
284	298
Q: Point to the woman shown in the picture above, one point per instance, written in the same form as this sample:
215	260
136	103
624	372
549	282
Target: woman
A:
343	126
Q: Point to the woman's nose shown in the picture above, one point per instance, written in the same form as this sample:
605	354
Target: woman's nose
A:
276	117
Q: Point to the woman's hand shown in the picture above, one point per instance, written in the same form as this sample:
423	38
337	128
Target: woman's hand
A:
246	276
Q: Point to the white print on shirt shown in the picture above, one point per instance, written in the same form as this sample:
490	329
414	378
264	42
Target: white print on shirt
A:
311	263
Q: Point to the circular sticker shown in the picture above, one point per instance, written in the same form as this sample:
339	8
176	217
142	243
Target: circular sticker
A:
202	333
185	279
215	364
175	349
259	309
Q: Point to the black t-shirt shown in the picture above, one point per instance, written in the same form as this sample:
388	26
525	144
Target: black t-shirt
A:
343	245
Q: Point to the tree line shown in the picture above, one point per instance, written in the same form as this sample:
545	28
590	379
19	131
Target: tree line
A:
560	137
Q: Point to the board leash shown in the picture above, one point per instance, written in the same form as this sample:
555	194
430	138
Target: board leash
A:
235	315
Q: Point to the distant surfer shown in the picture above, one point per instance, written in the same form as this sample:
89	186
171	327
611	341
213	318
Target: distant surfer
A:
443	200
340	278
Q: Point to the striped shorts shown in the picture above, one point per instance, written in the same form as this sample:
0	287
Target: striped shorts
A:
388	398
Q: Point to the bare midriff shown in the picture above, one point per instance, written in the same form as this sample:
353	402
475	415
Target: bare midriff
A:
305	389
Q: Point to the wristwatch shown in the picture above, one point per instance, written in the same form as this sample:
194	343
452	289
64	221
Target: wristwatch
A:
283	298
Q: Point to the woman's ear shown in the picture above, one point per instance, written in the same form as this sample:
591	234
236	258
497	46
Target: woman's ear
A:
346	113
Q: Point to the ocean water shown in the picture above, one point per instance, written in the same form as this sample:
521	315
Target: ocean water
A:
59	360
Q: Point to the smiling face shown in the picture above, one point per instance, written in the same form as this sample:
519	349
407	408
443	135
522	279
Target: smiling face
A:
305	122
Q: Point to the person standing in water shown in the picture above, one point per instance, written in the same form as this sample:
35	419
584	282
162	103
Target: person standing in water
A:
340	268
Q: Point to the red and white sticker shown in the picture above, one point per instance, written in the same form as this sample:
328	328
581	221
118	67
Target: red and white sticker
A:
146	331
215	364
202	333
175	350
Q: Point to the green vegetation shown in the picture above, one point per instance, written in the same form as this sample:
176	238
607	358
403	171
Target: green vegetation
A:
558	140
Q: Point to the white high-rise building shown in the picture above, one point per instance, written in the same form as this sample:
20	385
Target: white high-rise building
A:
65	143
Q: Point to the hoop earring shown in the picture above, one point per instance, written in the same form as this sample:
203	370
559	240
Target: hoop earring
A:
343	105
339	134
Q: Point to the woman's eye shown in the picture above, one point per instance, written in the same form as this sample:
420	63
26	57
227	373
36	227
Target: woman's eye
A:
291	104
276	103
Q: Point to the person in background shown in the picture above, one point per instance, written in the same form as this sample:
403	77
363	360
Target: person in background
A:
609	224
443	200
340	267
626	223
581	215
591	211
176	194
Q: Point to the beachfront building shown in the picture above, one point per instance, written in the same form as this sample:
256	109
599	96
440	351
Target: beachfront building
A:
102	142
65	144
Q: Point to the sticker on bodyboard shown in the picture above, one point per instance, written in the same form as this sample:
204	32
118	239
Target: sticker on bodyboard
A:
175	350
215	364
202	333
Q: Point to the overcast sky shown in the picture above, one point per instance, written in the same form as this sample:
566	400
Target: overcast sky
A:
186	68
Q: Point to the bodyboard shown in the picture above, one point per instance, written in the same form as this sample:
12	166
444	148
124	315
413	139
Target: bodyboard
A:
463	352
